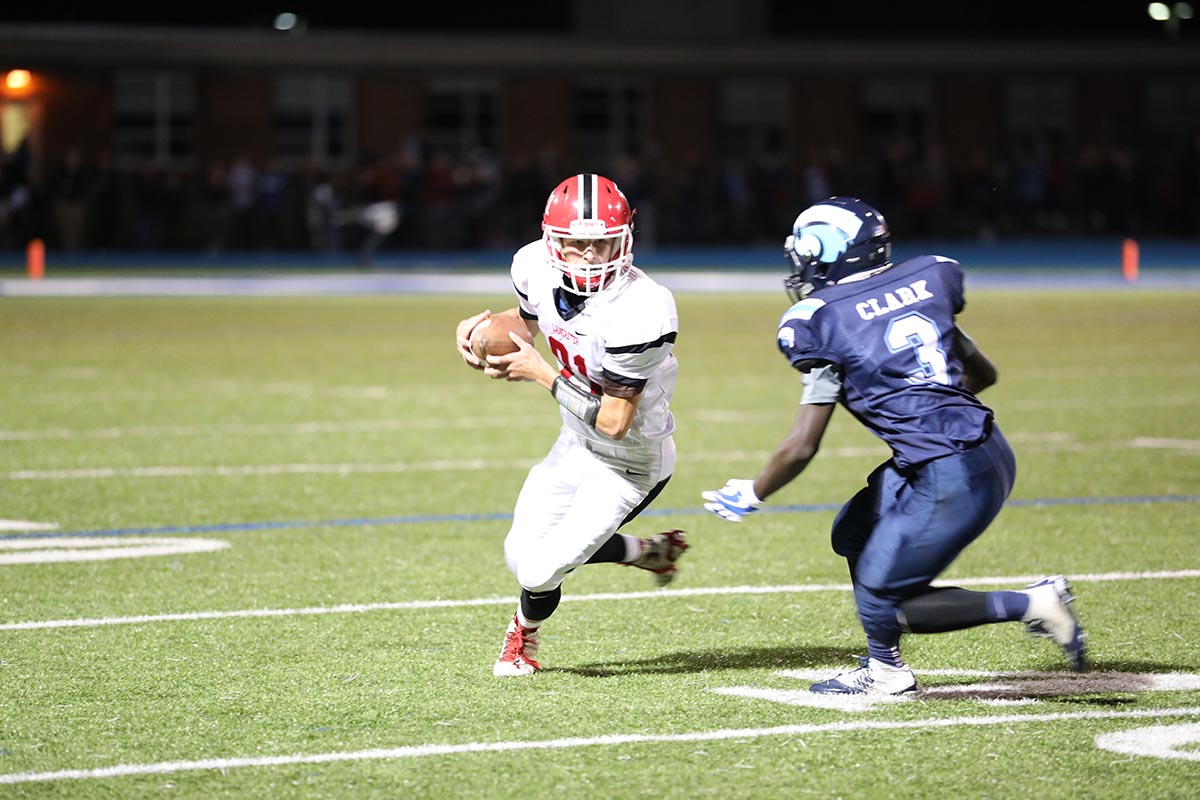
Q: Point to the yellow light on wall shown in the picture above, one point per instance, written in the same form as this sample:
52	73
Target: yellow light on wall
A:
18	79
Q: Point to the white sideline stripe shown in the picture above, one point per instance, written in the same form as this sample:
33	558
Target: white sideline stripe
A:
102	548
478	464
357	608
26	525
423	750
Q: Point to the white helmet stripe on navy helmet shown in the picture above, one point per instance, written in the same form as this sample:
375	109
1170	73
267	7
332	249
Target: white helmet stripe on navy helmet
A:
843	219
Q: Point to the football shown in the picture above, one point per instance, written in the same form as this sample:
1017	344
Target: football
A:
490	337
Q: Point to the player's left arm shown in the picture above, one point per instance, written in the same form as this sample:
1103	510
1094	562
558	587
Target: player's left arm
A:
610	414
978	370
616	414
638	348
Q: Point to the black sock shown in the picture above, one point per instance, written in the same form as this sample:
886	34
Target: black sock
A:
943	609
540	605
611	551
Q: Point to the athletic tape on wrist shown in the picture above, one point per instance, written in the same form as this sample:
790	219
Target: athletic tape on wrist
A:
584	405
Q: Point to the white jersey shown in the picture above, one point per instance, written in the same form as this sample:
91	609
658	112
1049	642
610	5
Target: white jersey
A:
622	336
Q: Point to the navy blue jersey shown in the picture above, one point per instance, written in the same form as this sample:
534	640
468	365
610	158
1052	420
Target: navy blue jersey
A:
891	338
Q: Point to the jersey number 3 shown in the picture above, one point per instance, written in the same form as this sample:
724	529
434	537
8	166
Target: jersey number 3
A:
916	332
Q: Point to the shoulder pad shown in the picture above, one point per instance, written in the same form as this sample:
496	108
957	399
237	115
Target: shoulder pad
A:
802	311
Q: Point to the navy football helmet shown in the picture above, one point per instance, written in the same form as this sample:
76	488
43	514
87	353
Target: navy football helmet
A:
833	239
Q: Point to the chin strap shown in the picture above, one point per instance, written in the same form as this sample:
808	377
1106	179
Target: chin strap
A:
584	405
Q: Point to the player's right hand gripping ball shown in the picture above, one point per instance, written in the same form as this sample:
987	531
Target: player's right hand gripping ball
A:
490	337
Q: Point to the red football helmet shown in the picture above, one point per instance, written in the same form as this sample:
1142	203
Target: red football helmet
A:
586	207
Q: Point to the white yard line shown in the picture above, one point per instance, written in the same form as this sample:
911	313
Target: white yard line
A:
96	473
26	525
657	594
322	427
267	429
101	548
608	740
1188	446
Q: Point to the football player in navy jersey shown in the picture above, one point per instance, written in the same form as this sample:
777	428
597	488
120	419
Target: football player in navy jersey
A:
882	340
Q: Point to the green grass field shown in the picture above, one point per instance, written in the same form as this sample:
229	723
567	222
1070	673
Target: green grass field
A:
351	481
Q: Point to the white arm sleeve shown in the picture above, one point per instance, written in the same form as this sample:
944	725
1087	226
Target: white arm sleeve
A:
821	385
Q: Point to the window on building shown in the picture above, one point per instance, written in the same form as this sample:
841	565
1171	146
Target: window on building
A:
155	118
1038	108
896	111
313	119
460	115
610	120
1172	112
755	117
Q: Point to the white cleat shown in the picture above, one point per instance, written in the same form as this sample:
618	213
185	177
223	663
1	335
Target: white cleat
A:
872	677
659	554
1049	615
517	653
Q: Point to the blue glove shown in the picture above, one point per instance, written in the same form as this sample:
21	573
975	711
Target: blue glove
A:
733	501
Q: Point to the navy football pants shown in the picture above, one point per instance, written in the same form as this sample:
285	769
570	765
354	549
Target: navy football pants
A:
901	532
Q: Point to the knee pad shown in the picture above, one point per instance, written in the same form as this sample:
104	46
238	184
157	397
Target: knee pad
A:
537	576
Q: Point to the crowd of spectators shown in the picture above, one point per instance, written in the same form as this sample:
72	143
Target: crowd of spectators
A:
84	204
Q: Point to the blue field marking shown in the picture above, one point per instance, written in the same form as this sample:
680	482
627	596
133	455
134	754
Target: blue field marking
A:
231	527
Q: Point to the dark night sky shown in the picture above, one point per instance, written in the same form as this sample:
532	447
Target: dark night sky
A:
973	19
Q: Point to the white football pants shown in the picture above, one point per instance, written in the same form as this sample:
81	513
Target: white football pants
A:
573	501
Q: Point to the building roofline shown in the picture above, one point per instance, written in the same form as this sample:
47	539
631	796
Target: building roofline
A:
35	45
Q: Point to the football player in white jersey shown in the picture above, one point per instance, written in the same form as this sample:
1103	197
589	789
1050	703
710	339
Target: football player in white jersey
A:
611	330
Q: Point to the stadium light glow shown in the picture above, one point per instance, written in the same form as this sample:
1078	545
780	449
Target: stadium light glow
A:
286	21
18	79
1170	15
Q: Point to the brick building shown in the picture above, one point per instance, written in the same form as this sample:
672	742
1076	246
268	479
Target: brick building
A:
740	94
